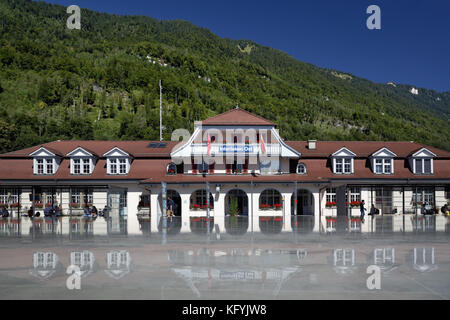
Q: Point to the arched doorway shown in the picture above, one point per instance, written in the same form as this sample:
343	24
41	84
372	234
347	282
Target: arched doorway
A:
173	223
302	219
199	202
270	202
236	212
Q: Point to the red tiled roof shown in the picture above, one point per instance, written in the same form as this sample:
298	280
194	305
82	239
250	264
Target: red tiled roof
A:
134	148
237	117
362	148
317	170
23	170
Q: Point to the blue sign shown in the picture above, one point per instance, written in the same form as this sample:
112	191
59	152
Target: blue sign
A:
235	148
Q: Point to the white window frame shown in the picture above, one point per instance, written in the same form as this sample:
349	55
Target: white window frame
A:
118	163
423	165
343	162
301	165
385	164
355	194
330	195
44	163
122	162
78	165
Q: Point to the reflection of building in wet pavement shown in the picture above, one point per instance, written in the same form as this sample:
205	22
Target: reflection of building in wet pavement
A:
423	259
84	260
236	267
9	227
384	258
45	264
118	263
343	260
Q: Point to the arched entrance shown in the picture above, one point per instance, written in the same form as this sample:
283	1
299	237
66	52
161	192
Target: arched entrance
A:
236	212
173	223
302	219
270	201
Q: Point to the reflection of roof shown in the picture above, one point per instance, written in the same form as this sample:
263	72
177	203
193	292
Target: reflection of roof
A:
425	267
117	273
193	275
42	274
235	274
345	269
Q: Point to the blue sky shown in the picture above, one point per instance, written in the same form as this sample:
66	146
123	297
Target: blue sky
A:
412	47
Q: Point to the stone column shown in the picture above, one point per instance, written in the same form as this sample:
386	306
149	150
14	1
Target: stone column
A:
287	211
185	212
155	211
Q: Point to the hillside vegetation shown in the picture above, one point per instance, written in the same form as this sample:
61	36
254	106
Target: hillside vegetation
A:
102	82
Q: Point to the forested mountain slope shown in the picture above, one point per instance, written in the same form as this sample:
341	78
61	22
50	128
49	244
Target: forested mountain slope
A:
101	82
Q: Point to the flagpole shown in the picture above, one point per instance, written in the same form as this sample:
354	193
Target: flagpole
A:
160	111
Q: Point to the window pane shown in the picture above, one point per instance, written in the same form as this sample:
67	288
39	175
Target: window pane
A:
419	166
427	166
338	165
347	166
379	168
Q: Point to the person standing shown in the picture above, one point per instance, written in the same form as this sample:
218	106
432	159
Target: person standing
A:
5	213
362	209
171	210
94	212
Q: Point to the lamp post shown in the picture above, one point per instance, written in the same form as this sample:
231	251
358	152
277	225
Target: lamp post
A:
164	212
207	212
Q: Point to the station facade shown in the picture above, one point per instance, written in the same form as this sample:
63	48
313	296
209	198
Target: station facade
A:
257	182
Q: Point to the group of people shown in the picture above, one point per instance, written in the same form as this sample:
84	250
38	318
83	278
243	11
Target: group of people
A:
425	209
56	211
50	211
90	212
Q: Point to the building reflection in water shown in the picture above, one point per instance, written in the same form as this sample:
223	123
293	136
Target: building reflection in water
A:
118	263
45	264
423	259
84	260
267	269
384	258
343	260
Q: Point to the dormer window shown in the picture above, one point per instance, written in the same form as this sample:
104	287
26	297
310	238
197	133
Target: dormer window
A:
81	161
422	162
301	168
44	165
342	161
383	166
171	169
383	161
117	162
117	165
45	162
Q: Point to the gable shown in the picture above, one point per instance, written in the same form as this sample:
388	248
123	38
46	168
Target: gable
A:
79	152
116	152
424	153
42	152
343	152
384	152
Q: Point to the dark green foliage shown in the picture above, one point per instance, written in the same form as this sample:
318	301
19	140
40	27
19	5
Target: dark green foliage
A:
97	83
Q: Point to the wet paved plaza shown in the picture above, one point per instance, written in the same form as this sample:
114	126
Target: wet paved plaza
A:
285	266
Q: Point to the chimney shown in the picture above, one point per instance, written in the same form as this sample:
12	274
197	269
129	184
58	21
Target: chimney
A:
312	144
